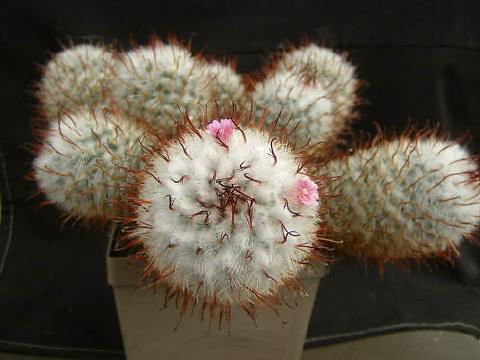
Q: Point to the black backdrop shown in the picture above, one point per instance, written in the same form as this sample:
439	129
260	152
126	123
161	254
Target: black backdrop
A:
420	59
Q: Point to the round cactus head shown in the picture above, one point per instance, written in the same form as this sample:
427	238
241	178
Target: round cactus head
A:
157	83
82	161
306	105
77	76
161	81
320	65
314	87
226	86
227	215
405	198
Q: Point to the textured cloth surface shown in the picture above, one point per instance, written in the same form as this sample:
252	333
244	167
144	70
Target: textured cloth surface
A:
420	63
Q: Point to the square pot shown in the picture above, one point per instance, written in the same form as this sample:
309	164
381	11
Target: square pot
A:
148	329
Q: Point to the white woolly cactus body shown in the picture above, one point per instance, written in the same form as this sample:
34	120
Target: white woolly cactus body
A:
83	160
226	86
157	83
160	81
226	217
78	76
329	69
308	105
404	199
315	87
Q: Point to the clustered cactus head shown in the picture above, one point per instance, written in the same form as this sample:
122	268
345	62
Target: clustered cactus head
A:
156	82
331	70
228	208
404	198
161	81
226	87
81	161
286	93
312	86
227	215
78	76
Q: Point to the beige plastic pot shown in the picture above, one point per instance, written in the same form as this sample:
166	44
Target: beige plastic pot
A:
148	328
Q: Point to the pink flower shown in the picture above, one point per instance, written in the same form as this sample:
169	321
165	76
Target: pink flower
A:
306	192
222	129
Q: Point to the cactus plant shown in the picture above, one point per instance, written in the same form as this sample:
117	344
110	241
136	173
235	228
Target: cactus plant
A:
82	159
77	76
404	198
313	85
227	215
160	81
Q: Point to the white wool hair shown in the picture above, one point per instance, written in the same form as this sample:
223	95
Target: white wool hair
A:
82	163
211	257
78	76
331	70
158	83
225	83
404	199
309	105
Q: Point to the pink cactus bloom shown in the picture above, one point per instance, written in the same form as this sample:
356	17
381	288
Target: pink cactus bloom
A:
222	129
306	192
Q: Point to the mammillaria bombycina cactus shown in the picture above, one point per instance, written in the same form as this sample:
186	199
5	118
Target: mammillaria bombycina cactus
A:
227	215
404	198
161	81
78	76
315	86
82	160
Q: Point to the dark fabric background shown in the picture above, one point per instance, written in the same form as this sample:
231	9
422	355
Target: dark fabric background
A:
421	61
